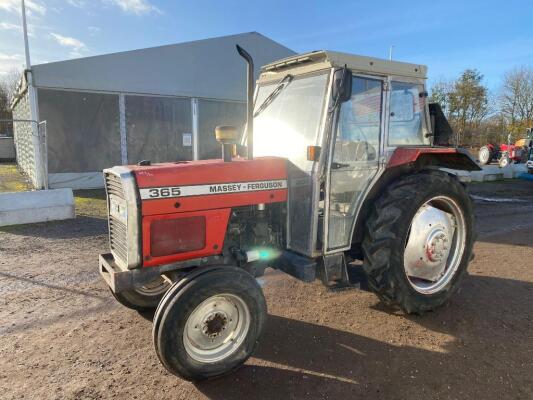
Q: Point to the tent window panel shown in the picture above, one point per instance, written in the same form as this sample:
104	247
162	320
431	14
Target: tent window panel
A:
212	113
158	129
82	130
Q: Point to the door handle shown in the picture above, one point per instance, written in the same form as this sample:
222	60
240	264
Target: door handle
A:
336	165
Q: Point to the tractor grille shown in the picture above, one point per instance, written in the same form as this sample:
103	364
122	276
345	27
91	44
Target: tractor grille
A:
114	185
118	233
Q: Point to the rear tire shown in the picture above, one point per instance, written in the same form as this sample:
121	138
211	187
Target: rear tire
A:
485	155
144	298
389	234
208	326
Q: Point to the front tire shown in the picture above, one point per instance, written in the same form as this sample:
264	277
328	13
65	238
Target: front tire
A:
504	161
209	326
419	241
144	298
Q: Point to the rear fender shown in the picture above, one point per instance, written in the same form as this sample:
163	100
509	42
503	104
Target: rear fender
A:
407	161
443	157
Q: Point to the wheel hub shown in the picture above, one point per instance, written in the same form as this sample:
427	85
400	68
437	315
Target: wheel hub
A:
216	328
215	324
427	249
436	245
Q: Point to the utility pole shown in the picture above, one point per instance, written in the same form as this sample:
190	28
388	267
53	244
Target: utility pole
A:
390	52
32	100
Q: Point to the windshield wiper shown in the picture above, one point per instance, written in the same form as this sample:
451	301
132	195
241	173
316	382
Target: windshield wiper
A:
281	85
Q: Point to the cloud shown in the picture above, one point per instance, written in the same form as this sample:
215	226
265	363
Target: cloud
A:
31	6
93	30
76	3
9	62
6	26
70	42
77	47
10	57
137	7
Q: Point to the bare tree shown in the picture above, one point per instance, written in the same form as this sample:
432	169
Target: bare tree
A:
8	86
516	98
9	82
440	93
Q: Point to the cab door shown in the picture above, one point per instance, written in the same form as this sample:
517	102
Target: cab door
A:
354	159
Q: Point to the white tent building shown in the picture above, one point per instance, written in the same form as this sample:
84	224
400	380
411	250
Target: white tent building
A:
159	104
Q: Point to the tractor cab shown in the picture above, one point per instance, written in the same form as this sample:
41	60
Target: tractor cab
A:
337	119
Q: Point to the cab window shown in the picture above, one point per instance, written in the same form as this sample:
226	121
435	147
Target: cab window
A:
407	125
359	123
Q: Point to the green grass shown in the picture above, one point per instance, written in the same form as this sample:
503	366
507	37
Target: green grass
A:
91	203
12	180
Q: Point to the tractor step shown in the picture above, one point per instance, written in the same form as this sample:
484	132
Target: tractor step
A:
300	267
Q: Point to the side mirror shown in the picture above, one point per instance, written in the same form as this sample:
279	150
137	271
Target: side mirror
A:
342	85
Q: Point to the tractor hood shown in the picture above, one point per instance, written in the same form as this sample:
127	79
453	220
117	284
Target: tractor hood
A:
211	184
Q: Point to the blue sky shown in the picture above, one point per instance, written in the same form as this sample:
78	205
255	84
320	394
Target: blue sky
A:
448	36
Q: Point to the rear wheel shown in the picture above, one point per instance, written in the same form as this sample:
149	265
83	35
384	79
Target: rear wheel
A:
144	298
419	241
485	155
208	326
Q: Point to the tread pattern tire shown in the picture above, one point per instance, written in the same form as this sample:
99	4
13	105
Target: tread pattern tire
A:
180	301
387	229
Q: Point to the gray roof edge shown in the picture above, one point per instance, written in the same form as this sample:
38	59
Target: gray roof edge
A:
336	58
133	51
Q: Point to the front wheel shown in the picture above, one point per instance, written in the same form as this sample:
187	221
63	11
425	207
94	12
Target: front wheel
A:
419	241
504	161
209	325
143	298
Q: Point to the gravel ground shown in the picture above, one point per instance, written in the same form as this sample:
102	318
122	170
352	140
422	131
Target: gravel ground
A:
63	336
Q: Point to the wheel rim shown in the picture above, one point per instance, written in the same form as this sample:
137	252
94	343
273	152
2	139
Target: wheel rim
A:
435	245
155	288
484	155
216	328
504	161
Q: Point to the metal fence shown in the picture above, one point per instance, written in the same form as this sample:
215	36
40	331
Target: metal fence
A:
7	142
6	128
26	142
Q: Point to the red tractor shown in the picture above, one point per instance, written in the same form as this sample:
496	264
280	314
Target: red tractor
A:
506	153
342	160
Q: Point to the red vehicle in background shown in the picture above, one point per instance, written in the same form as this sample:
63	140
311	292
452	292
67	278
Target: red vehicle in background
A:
507	153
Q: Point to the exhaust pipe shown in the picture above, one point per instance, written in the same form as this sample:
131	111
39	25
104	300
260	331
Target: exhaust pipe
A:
249	101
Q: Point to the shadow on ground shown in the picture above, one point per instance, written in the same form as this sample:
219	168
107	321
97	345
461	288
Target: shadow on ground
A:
80	227
322	362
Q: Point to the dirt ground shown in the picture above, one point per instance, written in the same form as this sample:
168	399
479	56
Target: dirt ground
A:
63	336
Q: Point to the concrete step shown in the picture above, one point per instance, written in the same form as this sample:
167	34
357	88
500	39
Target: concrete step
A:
36	206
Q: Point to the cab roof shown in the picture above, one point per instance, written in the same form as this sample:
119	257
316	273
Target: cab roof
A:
354	62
